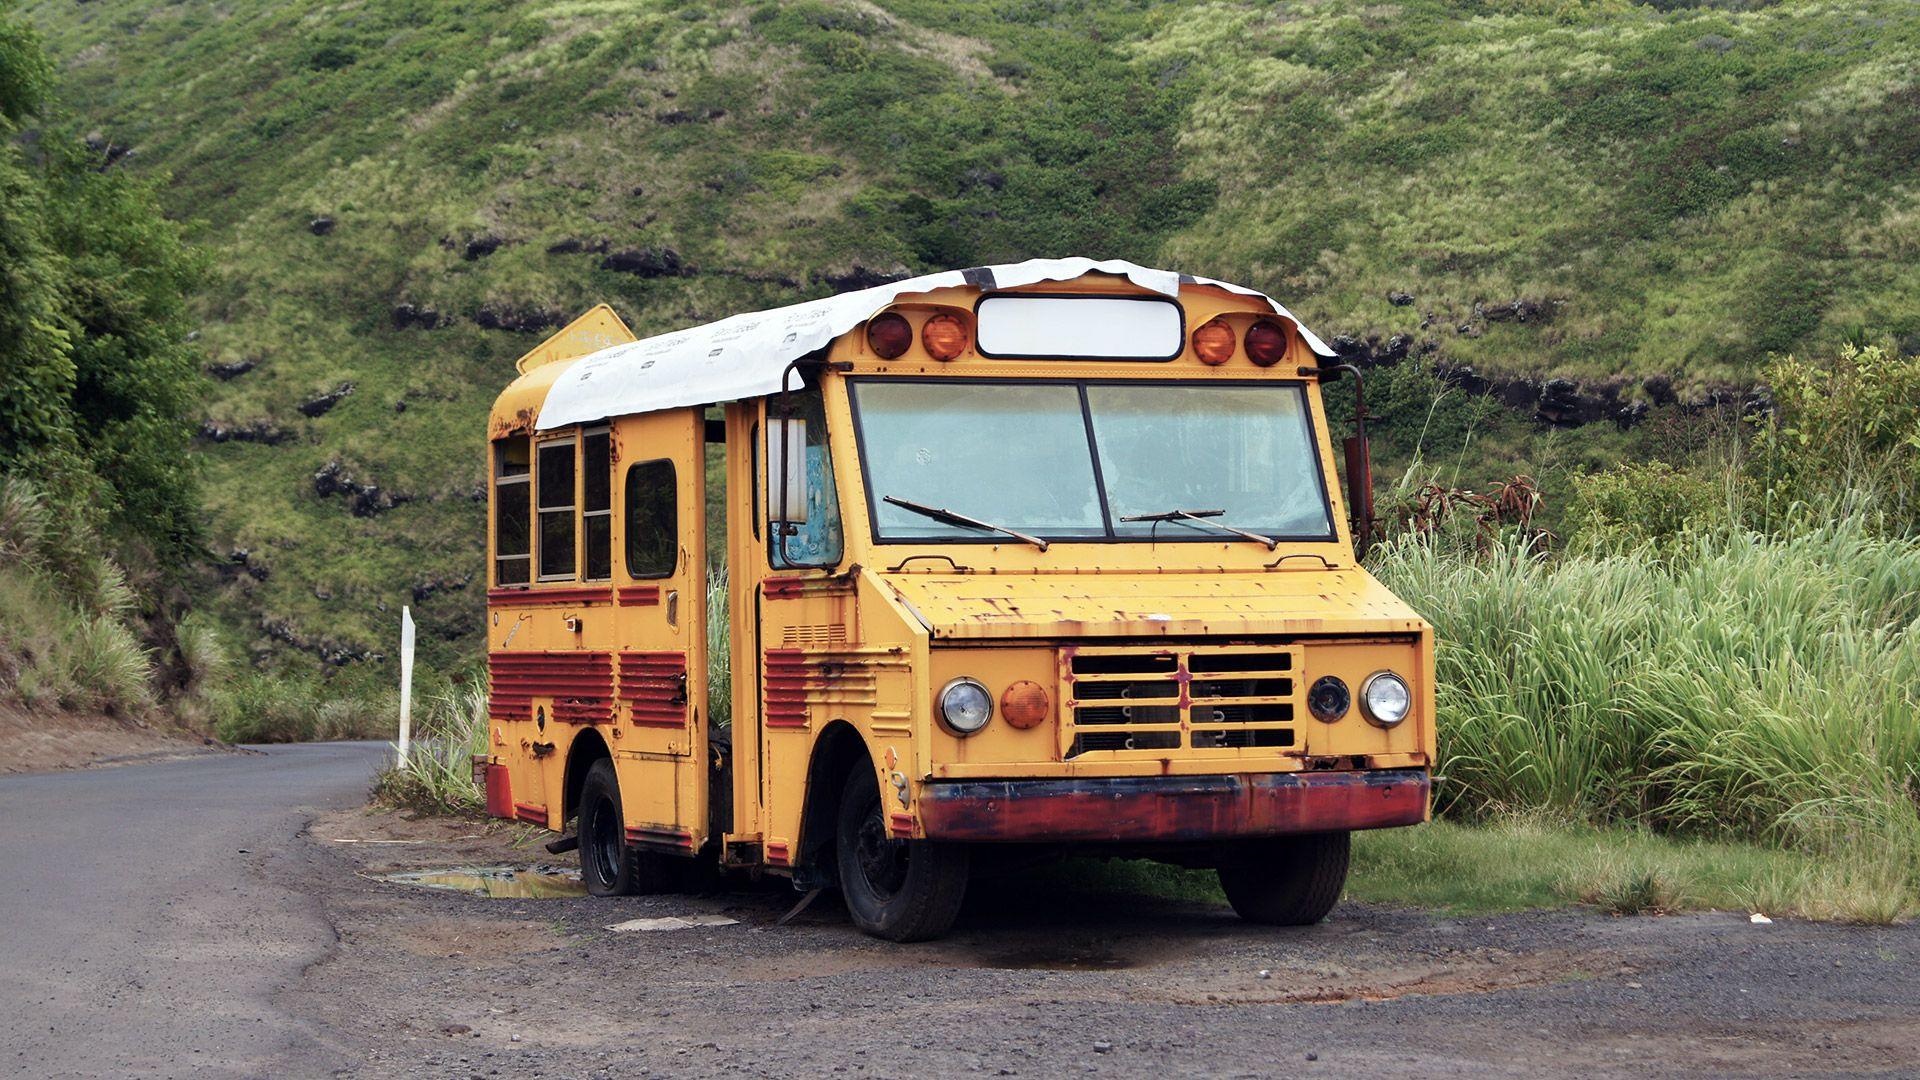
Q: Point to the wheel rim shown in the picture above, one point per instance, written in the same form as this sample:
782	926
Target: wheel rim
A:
881	859
601	840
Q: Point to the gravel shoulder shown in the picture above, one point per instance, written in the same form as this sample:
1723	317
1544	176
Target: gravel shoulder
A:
422	982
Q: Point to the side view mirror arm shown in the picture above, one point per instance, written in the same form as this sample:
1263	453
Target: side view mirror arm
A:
1359	457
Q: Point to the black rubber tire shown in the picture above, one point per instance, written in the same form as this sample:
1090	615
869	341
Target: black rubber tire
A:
1288	880
900	890
608	864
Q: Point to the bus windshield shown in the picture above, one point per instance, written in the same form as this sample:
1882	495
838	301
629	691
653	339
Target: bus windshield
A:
1071	461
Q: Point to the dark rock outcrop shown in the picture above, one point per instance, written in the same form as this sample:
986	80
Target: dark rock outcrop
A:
575	246
424	589
363	499
858	277
320	226
225	372
328	650
1400	299
254	431
646	262
412	316
479	247
324	403
527	321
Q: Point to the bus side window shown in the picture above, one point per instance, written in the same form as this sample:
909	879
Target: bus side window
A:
816	540
596	503
512	512
653	520
555	492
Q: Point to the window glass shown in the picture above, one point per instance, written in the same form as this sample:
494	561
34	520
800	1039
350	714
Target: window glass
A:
596	507
653	520
1245	450
817	541
1009	453
556	492
512	512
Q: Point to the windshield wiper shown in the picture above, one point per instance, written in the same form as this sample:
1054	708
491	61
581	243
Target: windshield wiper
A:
1202	517
951	518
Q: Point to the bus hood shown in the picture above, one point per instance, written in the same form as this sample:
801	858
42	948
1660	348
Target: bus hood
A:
960	607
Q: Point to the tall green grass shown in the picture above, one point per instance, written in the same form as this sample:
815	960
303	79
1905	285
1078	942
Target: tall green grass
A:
1730	684
449	728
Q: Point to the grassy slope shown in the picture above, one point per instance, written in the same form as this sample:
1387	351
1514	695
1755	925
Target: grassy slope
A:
1693	187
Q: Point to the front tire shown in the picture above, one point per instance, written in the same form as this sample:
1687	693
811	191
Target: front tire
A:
608	864
900	890
1288	880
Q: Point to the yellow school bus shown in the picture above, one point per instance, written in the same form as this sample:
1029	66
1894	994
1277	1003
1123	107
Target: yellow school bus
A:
1050	555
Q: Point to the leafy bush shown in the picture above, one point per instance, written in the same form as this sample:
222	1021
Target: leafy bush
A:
1851	425
1646	503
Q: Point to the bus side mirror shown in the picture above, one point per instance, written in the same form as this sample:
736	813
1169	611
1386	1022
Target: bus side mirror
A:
787	473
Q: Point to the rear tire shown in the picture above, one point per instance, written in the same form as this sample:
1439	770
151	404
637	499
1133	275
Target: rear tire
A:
608	864
900	890
1288	880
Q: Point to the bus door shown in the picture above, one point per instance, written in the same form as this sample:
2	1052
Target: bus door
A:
658	489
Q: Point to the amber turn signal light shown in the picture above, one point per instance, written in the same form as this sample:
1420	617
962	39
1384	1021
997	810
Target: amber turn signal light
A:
1213	343
1266	342
945	337
889	335
1025	705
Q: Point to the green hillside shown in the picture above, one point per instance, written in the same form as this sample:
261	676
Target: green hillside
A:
398	197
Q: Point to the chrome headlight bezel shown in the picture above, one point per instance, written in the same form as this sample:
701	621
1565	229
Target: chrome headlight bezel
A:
946	704
1382	713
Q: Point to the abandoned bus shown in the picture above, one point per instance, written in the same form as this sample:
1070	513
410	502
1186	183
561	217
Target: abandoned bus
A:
1049	555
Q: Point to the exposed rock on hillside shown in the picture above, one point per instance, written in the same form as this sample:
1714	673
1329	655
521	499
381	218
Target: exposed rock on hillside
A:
412	316
646	262
363	499
324	403
529	321
254	431
226	372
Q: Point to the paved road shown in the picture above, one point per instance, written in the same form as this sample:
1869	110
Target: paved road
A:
143	926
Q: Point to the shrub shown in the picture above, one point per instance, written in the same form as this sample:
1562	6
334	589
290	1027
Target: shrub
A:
1648	503
1850	426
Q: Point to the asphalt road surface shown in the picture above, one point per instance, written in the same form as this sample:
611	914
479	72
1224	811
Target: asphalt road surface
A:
224	916
146	917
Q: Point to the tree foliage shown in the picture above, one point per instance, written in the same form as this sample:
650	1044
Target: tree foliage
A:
97	381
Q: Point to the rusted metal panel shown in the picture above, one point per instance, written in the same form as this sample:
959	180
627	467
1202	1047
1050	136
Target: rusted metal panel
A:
550	597
580	684
499	792
1152	605
1172	808
788	673
531	814
666	837
654	686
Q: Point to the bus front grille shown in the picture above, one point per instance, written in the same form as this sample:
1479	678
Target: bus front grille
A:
1221	700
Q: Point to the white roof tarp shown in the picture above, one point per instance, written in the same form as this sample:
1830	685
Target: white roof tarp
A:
744	356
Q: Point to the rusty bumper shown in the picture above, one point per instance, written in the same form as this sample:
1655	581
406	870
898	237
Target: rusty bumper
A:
1173	808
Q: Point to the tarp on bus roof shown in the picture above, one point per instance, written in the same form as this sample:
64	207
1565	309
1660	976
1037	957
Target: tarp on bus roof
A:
744	356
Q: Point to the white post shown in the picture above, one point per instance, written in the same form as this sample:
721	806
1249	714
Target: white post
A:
406	682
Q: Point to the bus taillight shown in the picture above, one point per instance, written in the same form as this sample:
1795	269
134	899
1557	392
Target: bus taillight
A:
888	335
1266	342
944	336
1213	343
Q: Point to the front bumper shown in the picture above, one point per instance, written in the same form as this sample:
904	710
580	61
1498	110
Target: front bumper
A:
1173	808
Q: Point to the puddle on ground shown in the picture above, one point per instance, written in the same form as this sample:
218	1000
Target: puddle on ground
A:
504	882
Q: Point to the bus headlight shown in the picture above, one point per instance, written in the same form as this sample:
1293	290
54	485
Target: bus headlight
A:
965	706
1385	699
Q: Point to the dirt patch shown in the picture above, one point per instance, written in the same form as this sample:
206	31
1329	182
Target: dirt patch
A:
40	740
1045	979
